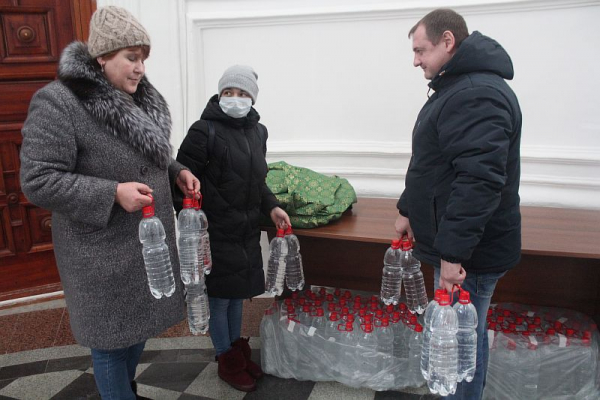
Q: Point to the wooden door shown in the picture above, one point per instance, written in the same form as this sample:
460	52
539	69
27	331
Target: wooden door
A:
32	36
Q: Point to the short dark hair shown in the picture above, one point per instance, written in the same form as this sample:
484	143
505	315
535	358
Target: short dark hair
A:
441	20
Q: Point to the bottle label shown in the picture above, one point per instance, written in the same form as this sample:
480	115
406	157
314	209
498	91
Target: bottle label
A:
491	334
331	339
530	313
562	340
533	340
311	331
291	326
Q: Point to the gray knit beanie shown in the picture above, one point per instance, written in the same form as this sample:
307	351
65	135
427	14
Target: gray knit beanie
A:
240	77
114	28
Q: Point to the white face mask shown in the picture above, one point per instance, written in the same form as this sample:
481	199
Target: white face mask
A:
236	107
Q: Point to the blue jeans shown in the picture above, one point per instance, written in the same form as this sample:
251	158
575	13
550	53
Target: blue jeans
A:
114	370
225	322
481	287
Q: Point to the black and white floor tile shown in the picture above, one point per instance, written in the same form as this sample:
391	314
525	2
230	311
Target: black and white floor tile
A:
170	369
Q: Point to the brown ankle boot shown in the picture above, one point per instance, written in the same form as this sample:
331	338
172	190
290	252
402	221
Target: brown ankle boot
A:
232	367
251	367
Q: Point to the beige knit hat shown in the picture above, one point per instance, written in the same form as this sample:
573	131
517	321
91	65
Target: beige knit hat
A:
114	28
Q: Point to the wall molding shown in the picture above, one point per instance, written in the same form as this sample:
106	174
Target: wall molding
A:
363	155
589	156
410	9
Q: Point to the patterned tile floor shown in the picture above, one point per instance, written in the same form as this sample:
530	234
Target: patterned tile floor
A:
39	360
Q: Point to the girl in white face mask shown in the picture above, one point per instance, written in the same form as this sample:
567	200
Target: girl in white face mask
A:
235	102
231	165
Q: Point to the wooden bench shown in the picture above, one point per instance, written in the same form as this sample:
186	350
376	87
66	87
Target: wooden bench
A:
560	265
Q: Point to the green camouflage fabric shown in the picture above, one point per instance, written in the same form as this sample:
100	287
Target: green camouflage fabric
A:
310	199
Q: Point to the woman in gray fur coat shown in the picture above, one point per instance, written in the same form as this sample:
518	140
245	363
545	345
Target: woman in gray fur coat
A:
95	144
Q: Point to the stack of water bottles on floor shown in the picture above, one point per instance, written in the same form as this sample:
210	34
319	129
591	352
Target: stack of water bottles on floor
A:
541	353
341	335
195	261
350	337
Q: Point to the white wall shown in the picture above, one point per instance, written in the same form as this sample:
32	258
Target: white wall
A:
339	94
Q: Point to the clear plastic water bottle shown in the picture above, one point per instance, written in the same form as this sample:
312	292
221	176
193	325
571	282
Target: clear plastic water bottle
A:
268	334
415	345
466	336
398	328
305	316
204	253
414	286
156	254
188	224
530	368
391	280
278	250
443	353
385	344
427	332
407	333
318	323
332	336
347	353
294	273
197	308
367	346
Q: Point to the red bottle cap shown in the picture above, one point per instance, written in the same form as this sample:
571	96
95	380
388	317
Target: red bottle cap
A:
406	244
280	233
418	328
187	202
148	211
334	316
445	299
395	244
288	230
320	312
464	297
438	295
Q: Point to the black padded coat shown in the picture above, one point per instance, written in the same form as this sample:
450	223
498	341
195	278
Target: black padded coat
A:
462	184
232	173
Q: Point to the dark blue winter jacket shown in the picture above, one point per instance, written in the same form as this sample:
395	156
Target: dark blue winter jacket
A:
462	183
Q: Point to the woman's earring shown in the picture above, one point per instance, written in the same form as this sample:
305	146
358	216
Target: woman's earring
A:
102	67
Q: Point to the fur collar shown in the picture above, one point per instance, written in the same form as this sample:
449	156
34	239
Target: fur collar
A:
142	119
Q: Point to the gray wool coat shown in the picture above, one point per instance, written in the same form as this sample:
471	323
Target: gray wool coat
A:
81	138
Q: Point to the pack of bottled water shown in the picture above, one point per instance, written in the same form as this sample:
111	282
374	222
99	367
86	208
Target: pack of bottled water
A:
339	335
541	353
196	262
285	263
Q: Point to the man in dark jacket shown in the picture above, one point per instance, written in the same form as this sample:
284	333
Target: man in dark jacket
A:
461	201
